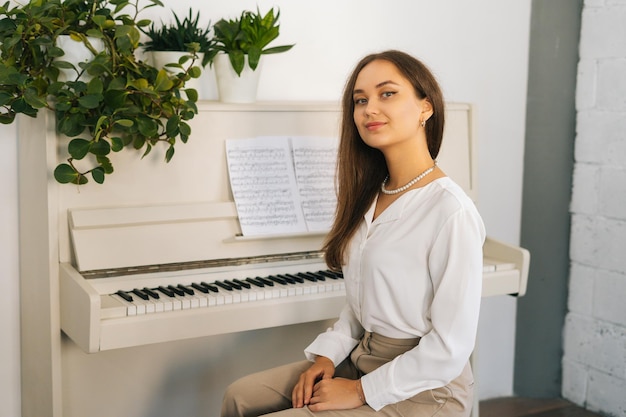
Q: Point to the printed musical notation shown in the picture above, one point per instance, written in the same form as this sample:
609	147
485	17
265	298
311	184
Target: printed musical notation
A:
283	185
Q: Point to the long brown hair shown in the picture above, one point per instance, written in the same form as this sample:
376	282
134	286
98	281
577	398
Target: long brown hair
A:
360	168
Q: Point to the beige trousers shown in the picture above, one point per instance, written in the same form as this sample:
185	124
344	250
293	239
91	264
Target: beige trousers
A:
268	393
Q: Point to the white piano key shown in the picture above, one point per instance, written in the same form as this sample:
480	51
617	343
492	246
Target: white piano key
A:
252	295
236	296
131	309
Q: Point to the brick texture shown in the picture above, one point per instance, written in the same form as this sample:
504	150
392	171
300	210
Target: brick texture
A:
594	359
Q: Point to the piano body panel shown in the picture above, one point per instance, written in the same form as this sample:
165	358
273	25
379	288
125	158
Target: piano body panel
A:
512	282
79	308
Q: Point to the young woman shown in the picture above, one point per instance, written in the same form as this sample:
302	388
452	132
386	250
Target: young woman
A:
409	243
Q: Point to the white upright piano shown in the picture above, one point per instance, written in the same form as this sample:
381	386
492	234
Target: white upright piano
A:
154	259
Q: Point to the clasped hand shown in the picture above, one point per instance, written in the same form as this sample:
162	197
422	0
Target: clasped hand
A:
317	389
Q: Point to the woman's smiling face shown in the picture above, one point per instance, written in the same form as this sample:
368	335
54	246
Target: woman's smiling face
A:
387	110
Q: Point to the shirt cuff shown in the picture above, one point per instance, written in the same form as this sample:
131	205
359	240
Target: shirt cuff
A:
335	346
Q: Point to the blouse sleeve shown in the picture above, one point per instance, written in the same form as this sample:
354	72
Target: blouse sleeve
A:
338	341
455	267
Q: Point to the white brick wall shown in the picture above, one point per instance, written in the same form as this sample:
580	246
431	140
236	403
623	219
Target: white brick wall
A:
594	361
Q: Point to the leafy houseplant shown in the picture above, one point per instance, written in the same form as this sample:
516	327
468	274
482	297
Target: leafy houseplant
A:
250	34
185	35
126	103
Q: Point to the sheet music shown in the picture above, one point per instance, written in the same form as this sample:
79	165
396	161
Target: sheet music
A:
314	161
283	185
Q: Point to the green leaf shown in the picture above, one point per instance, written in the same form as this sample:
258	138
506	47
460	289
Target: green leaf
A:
169	154
117	144
124	122
21	106
98	175
70	124
147	127
163	82
277	49
64	174
5	98
254	56
99	20
63	65
237	60
95	86
144	22
94	33
55	52
184	128
115	98
148	149
195	72
78	148
33	99
171	128
90	101
192	94
139	142
100	147
105	164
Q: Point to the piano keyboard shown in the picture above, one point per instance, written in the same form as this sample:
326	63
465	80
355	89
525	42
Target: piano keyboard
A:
174	297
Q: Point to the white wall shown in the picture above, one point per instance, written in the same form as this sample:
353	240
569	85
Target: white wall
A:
477	49
9	296
594	361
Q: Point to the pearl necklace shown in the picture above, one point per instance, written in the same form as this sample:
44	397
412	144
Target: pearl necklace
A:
408	185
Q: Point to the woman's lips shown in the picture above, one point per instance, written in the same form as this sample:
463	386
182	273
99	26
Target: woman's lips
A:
374	125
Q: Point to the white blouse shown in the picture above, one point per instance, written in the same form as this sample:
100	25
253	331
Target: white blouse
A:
415	271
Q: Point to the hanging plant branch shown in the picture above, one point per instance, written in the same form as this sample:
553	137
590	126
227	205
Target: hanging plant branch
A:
115	101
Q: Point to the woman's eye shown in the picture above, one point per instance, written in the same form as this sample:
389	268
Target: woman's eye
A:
360	101
388	94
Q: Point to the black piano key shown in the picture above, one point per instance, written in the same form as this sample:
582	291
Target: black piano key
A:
151	293
139	293
277	279
176	290
223	285
199	287
317	276
265	281
327	274
185	289
243	284
166	291
255	282
295	278
124	295
232	284
288	279
210	287
307	277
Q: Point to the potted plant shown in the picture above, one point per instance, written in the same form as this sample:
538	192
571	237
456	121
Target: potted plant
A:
183	43
125	103
242	42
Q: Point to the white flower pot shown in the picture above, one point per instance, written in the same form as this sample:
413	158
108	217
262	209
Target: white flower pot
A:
233	88
75	52
205	85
